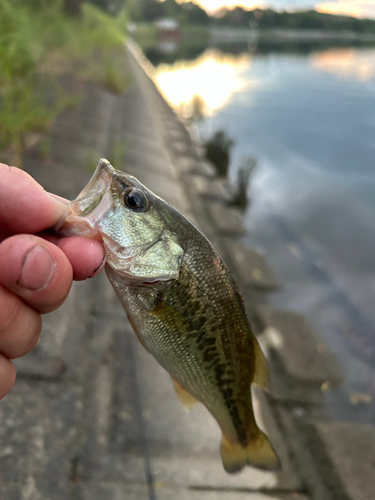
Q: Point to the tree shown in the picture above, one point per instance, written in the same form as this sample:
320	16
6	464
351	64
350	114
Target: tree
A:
195	14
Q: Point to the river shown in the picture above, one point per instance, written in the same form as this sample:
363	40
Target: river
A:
306	113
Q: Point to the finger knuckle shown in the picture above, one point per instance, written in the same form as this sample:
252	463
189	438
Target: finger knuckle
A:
10	311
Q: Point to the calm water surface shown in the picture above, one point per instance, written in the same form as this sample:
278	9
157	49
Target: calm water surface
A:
308	118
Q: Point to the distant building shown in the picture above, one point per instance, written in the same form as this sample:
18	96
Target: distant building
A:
167	24
168	28
132	28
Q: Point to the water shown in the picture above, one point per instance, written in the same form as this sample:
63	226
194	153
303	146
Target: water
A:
307	115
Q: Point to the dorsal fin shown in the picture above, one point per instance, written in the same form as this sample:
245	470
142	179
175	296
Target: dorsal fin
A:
261	376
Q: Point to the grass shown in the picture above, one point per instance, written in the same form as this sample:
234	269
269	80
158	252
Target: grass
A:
38	44
108	70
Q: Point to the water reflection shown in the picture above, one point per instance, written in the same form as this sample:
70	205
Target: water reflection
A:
208	82
204	85
349	63
188	49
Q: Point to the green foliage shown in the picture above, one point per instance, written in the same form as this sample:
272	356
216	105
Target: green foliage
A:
96	30
110	6
151	10
37	44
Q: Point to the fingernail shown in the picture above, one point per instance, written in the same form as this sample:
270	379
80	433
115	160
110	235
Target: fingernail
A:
38	269
99	268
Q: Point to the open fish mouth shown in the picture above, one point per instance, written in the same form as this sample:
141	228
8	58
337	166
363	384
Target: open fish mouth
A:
93	193
94	201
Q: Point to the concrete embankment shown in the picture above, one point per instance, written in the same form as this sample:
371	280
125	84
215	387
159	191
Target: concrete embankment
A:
93	416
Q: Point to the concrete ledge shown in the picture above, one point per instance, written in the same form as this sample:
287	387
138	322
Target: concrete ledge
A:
107	490
204	168
303	354
234	494
38	436
350	449
227	220
61	336
252	267
216	189
300	451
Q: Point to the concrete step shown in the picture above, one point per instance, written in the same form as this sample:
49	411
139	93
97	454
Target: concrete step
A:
187	494
251	266
38	436
61	338
227	220
345	452
304	356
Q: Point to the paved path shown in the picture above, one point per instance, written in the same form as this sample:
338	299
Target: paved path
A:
92	415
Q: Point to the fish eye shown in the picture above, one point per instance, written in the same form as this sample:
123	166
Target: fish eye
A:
135	200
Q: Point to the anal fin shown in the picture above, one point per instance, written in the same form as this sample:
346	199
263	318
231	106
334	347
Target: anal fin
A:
185	398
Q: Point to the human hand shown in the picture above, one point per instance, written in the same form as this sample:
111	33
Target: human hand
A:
36	269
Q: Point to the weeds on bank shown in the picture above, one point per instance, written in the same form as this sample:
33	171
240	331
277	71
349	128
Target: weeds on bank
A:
38	44
218	150
240	198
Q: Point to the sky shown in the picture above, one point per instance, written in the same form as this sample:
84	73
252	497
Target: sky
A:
357	8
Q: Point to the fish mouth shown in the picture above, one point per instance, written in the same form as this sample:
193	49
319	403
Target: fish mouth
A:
90	205
92	194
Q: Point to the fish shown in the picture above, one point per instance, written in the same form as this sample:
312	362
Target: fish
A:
182	303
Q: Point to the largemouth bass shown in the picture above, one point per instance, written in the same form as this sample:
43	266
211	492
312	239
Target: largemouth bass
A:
182	303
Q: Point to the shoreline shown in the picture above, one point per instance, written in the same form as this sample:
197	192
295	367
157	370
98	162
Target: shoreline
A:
253	35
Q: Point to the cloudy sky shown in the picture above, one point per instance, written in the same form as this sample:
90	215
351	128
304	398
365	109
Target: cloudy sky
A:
358	8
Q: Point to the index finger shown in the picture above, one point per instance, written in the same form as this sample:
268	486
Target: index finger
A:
25	207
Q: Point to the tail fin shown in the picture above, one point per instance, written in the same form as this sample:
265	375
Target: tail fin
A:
258	453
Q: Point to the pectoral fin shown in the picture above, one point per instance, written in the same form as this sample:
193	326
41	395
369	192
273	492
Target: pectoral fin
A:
185	398
261	376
